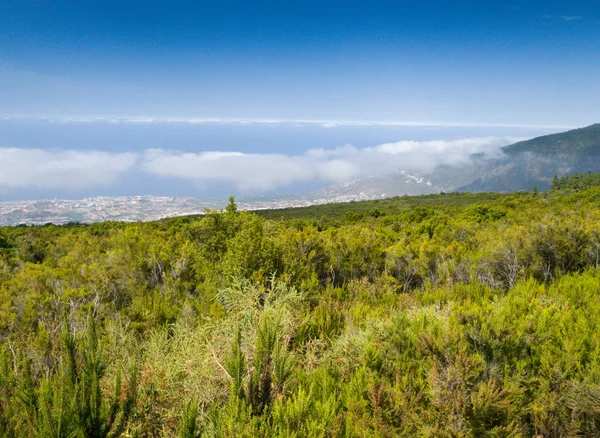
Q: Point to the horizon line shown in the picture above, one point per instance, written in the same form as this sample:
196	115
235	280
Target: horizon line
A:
324	123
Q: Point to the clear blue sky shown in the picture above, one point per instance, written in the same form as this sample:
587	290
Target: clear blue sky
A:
532	62
463	69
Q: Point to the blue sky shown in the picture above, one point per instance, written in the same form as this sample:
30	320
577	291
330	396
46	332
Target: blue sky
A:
206	76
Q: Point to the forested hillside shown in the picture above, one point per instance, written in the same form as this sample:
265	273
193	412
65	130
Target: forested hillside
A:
534	162
455	315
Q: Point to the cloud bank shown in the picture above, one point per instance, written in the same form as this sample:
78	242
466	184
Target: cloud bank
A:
270	171
65	169
73	170
247	171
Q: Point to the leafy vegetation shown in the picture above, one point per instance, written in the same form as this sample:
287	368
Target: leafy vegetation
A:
346	212
448	315
576	181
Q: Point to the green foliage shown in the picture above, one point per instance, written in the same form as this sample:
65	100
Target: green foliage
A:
69	401
444	315
188	427
576	182
236	368
484	213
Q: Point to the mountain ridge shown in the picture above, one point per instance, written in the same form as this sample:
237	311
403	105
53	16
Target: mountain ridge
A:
534	162
584	138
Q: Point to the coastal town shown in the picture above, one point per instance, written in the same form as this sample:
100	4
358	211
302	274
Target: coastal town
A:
141	208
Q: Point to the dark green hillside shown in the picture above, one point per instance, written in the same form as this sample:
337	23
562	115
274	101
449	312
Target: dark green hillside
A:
582	141
535	162
381	207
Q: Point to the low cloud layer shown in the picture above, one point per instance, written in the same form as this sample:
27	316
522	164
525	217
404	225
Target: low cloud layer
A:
270	171
67	169
73	170
245	171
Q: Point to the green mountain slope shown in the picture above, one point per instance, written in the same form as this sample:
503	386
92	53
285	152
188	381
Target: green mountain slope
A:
582	141
536	161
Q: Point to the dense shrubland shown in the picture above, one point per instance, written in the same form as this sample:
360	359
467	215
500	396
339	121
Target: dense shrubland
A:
449	315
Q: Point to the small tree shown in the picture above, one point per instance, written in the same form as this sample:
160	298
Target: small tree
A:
555	185
232	206
188	424
71	402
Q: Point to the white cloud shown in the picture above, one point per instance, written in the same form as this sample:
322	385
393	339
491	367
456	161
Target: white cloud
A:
246	171
269	171
63	169
73	170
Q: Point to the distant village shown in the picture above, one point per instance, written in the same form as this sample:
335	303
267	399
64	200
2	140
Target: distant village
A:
139	208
